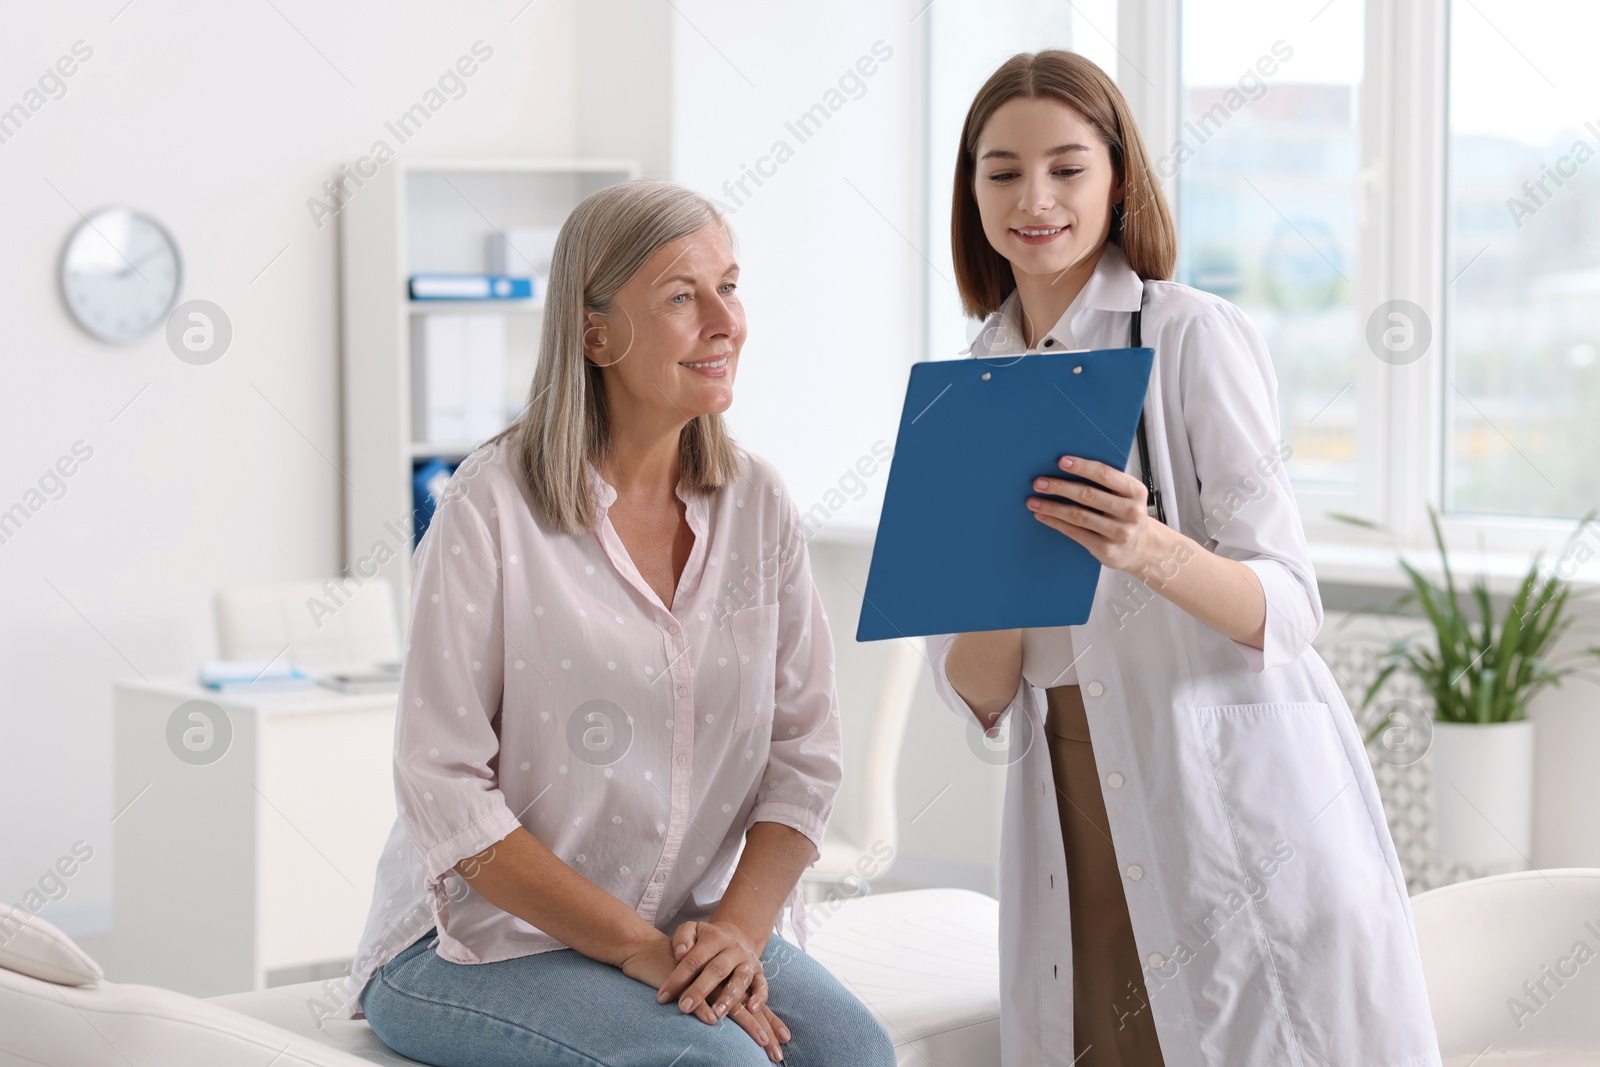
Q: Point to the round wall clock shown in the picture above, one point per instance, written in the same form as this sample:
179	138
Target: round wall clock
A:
119	274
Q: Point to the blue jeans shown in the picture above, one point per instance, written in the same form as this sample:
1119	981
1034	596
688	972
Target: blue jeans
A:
563	1009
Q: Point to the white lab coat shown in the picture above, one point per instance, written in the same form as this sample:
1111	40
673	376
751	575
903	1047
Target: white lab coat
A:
1267	901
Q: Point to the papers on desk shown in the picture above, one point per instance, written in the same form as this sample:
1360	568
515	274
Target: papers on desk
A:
251	675
260	675
380	678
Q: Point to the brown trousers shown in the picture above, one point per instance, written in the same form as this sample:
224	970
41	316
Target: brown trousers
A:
1111	1018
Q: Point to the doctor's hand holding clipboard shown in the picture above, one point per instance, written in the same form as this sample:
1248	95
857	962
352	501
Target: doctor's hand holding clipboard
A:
1195	865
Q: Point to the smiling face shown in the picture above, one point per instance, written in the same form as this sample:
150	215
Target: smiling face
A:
670	346
1044	185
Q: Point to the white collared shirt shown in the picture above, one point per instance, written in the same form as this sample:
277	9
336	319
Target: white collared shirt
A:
546	686
1003	333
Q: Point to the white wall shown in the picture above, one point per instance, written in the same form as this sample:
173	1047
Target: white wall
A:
220	120
623	82
829	243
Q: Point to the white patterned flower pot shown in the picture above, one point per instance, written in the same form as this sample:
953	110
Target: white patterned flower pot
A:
1483	791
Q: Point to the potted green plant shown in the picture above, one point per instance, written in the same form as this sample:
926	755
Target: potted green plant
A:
1481	672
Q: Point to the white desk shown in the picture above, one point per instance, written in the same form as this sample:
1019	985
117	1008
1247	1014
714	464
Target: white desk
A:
235	861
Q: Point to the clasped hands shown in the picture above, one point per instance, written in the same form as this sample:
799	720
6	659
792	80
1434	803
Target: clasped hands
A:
713	969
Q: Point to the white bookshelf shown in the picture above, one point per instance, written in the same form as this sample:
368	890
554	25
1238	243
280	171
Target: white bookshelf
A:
433	217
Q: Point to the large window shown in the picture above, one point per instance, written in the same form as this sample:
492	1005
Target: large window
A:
1522	295
1404	195
1266	165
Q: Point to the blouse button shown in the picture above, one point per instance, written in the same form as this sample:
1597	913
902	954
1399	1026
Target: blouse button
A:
1095	689
672	629
1136	872
1115	780
1049	342
682	758
683	691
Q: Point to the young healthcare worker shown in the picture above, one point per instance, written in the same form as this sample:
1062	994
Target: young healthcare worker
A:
1195	866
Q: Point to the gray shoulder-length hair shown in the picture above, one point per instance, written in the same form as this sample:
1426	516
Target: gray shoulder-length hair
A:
604	242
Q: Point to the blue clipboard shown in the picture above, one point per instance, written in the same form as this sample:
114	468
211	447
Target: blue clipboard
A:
957	549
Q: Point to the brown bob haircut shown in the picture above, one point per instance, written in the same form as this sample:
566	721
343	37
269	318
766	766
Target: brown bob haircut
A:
1143	227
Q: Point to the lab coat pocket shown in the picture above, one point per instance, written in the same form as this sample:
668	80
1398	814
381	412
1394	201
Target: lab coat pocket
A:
755	640
1332	946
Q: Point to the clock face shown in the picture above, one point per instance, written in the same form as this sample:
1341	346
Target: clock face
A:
119	274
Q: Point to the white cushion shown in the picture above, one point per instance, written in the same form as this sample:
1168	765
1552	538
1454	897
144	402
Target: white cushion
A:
298	1009
30	945
925	961
108	1024
57	1009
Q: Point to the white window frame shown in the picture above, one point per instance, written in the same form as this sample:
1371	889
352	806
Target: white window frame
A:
1403	237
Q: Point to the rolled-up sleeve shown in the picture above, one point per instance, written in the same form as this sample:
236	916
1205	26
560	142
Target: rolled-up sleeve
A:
939	651
450	694
805	763
1230	411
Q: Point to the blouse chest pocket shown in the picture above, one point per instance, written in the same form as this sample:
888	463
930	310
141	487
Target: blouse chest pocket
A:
755	641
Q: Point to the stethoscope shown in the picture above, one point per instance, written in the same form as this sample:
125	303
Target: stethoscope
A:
1154	501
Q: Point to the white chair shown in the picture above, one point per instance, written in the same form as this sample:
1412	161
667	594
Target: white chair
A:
862	836
924	961
317	626
1482	940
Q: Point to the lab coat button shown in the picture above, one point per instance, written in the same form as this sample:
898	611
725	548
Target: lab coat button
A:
1095	689
1157	959
1115	780
1136	872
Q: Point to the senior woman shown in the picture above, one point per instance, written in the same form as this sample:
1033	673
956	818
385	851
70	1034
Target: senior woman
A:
618	672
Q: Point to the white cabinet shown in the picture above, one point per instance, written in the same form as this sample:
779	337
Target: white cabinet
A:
249	858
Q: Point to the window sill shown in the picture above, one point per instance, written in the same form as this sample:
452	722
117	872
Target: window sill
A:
1377	566
1371	567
